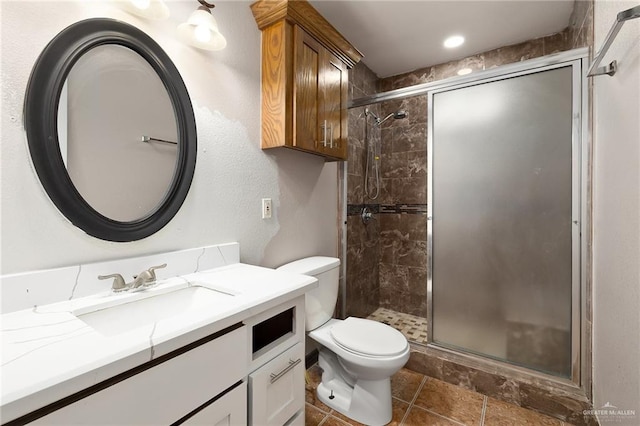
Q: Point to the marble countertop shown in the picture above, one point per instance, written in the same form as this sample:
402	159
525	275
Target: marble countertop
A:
48	353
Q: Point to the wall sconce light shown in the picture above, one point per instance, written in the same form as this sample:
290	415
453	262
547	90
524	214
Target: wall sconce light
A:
201	29
150	9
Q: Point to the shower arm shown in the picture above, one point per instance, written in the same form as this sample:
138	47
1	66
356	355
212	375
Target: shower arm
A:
379	121
396	114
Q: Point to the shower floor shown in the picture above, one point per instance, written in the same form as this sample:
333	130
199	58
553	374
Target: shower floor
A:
414	328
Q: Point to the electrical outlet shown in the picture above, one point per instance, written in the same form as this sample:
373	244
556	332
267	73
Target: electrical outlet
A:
266	208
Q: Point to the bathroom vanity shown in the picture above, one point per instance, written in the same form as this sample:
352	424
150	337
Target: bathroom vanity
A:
222	345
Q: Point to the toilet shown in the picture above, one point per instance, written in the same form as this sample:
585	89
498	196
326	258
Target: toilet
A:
358	356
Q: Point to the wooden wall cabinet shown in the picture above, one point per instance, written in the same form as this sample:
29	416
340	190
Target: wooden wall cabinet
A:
305	64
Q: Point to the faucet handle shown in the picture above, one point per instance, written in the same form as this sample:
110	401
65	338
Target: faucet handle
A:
118	281
152	270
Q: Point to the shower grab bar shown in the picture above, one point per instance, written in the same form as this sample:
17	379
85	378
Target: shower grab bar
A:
611	69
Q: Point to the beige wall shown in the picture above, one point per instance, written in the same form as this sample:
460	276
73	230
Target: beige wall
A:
616	220
232	172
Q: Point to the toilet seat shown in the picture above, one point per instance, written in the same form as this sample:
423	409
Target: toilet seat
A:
368	338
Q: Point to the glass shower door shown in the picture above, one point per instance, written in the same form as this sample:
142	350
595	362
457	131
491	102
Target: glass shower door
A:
503	198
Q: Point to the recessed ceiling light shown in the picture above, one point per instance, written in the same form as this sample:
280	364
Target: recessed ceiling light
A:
465	71
453	41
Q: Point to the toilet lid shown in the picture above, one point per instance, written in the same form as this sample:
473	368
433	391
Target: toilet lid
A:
368	337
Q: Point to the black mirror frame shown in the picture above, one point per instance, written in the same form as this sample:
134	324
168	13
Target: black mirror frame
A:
40	117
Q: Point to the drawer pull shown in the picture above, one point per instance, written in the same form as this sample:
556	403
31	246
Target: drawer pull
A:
292	363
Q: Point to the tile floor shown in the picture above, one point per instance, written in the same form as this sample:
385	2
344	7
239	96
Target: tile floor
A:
414	328
420	400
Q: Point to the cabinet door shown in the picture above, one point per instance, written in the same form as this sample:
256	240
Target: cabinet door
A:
319	98
277	388
333	104
308	131
229	410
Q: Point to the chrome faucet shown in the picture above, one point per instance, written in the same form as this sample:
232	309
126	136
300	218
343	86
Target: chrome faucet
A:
144	279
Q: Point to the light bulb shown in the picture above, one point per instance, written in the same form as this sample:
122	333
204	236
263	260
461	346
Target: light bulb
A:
141	4
202	33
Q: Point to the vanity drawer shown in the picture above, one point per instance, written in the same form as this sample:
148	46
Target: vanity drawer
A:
166	392
297	420
276	390
229	410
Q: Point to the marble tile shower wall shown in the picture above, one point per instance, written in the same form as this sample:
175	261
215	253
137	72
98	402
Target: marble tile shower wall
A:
403	203
363	241
580	30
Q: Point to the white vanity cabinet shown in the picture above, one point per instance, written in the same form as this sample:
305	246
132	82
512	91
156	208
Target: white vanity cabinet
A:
203	385
249	373
277	388
276	381
238	360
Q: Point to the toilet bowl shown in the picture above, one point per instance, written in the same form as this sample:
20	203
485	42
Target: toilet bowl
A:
358	356
377	353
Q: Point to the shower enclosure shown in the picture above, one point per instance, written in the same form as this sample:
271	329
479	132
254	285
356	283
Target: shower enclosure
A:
481	215
504	217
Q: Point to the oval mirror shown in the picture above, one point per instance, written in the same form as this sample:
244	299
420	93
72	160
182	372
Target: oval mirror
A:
111	129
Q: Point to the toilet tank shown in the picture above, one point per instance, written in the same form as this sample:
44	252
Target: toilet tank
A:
321	301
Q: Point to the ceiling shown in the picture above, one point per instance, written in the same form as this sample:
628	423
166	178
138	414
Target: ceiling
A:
400	36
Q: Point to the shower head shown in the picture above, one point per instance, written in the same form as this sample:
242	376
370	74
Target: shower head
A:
398	115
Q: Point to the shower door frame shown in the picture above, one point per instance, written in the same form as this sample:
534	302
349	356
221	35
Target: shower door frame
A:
580	332
580	383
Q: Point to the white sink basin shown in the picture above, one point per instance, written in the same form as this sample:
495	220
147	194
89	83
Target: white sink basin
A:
142	309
